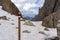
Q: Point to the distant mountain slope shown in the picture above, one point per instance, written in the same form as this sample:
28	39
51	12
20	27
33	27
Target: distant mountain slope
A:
27	18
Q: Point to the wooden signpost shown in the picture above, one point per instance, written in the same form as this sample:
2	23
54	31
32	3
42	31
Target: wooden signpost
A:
19	27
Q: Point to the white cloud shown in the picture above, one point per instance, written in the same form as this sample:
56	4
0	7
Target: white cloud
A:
34	11
27	6
31	1
17	1
23	0
41	3
31	11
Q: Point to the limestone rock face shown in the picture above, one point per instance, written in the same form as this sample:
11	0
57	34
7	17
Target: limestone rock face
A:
9	7
46	10
0	2
51	20
48	21
57	5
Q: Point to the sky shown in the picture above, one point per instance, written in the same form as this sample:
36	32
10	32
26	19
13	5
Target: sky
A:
29	7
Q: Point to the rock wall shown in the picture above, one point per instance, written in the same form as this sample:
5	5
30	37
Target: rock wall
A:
9	7
57	5
0	2
47	13
46	10
54	17
58	29
51	20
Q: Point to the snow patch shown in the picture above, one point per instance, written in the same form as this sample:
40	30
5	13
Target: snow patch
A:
9	31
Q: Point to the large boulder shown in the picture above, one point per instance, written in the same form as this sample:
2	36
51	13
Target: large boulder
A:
3	17
51	20
48	21
8	6
29	23
56	38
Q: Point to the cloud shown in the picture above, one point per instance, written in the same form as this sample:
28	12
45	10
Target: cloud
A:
31	11
31	1
34	11
27	6
18	1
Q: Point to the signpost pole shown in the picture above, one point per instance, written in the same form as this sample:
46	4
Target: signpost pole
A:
19	26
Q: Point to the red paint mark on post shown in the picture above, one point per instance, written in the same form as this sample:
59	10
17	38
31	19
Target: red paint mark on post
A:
19	15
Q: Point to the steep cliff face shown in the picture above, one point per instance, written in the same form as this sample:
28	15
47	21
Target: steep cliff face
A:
46	13
9	7
0	2
51	20
54	17
46	10
57	5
